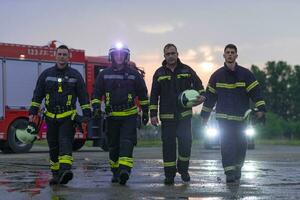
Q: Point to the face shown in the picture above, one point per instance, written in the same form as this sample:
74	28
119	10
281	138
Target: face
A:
62	57
171	55
119	57
230	55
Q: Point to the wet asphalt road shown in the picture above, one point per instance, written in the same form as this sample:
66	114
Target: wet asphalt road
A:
270	172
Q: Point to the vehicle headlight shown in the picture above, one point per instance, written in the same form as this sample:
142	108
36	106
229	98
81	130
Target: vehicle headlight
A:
211	132
250	132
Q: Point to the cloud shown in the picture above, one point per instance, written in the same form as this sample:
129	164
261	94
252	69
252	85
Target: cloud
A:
159	28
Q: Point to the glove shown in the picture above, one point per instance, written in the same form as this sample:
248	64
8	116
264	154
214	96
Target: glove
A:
96	112
145	119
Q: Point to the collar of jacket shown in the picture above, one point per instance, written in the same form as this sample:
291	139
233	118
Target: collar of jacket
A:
62	70
236	68
114	68
179	63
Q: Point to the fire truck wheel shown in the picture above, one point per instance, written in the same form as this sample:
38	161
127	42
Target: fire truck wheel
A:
13	144
78	144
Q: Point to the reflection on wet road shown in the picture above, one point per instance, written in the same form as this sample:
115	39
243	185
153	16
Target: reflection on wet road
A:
25	176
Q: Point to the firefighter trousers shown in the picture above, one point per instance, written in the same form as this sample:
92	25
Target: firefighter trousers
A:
60	136
122	137
233	144
180	130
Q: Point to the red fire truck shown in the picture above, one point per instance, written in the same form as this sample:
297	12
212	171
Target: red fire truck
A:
20	66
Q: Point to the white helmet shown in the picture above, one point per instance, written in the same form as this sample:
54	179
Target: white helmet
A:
187	98
27	135
119	47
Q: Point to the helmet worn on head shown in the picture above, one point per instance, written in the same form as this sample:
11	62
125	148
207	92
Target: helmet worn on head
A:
187	98
119	47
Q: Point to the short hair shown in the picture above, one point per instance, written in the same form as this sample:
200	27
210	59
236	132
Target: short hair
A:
230	46
168	46
63	47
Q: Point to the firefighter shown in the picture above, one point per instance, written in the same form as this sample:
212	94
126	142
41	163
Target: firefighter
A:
60	86
119	85
230	88
171	79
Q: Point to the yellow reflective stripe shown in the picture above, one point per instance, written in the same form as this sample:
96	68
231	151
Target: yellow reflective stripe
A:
260	103
66	159
160	78
201	91
126	161
130	111
229	168
211	89
229	117
206	109
169	164
129	96
60	88
107	98
113	164
62	115
69	100
182	158
144	102
183	75
85	106
231	86
251	86
54	165
96	101
35	104
166	116
153	107
186	113
47	99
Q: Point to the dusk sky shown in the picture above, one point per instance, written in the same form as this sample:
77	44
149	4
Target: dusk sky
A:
263	30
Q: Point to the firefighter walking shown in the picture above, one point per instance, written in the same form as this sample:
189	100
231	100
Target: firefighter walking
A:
119	85
230	88
171	79
60	86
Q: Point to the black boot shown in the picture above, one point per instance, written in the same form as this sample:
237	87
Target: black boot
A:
169	181
65	176
115	177
185	177
230	176
55	178
123	177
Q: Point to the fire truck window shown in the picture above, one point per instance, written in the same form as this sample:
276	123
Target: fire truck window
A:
80	68
21	77
45	65
98	69
1	91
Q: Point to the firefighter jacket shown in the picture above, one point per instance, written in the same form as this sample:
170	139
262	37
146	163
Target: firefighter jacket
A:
120	88
231	91
166	88
60	88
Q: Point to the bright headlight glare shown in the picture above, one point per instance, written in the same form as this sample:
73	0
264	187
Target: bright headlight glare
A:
211	132
250	131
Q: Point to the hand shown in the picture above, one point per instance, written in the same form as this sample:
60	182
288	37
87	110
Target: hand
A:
260	117
259	114
145	119
200	99
154	121
204	122
31	118
96	112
